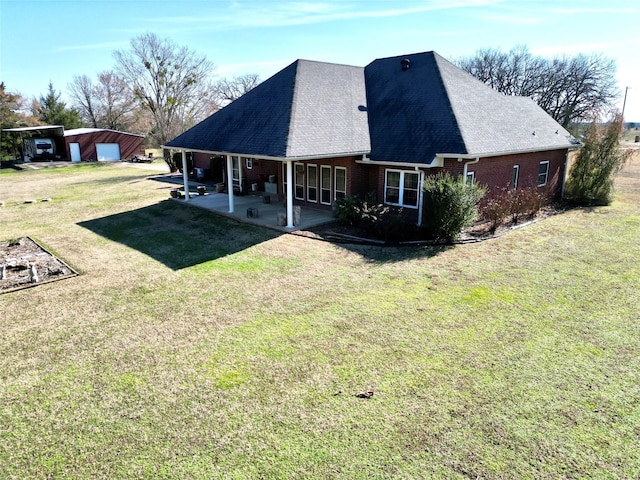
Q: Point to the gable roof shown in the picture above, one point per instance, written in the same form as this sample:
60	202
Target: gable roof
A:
432	107
308	109
394	114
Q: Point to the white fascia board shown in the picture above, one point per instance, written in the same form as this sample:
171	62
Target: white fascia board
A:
435	163
471	156
266	157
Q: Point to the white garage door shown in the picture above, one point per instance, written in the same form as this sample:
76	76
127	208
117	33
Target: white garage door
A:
108	152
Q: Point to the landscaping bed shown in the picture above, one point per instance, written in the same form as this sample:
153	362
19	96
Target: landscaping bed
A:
24	264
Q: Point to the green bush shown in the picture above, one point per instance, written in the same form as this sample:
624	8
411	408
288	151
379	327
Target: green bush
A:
380	221
449	205
349	210
591	178
384	222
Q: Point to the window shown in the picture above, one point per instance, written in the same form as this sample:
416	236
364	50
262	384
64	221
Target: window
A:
249	163
471	178
392	188
543	173
514	176
340	182
325	185
299	181
312	183
284	179
402	188
235	170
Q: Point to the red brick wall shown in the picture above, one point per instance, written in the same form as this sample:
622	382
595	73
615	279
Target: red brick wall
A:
497	172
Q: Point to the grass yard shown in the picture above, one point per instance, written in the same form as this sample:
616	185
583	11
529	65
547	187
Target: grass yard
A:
191	346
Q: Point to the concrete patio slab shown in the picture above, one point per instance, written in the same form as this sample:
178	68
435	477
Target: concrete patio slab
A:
252	209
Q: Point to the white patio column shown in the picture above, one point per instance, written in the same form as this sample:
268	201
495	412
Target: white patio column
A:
289	194
230	183
420	197
185	175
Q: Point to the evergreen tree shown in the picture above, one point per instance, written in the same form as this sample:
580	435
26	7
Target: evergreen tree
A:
53	111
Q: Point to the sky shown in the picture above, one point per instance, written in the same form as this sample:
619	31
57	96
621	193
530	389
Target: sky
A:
44	41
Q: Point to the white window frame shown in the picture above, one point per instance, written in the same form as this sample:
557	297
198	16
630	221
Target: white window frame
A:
312	187
235	170
284	179
401	188
335	182
471	178
546	173
324	187
515	176
295	181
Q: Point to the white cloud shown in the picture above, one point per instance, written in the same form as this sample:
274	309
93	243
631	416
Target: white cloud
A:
92	46
264	14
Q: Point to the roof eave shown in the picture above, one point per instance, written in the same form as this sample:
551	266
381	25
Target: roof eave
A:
435	162
507	152
274	158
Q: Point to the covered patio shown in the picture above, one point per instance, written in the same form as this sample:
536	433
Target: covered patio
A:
252	209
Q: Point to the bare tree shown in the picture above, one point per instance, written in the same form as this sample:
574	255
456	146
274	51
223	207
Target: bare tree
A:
568	88
229	90
81	91
169	81
13	113
578	88
514	73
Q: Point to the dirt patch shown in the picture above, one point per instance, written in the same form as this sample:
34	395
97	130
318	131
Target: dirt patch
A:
24	264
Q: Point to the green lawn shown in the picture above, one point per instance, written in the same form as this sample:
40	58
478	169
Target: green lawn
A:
192	346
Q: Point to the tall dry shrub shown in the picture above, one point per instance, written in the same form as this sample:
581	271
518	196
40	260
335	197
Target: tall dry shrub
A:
600	159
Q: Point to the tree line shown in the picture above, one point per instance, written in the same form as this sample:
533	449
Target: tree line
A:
570	89
160	89
156	88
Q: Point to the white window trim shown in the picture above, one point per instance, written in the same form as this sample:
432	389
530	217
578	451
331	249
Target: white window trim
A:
322	168
295	181
309	186
401	187
515	172
335	182
471	178
284	179
237	180
546	175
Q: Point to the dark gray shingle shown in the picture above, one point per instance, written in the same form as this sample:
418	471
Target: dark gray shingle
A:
396	114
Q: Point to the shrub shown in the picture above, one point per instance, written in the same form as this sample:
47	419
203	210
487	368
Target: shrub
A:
384	222
449	205
349	210
498	208
591	177
526	203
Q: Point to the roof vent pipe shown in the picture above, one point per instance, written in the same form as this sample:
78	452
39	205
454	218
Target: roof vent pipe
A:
406	63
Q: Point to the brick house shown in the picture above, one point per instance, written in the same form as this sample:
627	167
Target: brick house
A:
315	132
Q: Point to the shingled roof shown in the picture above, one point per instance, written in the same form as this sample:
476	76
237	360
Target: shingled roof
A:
308	109
401	109
421	106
